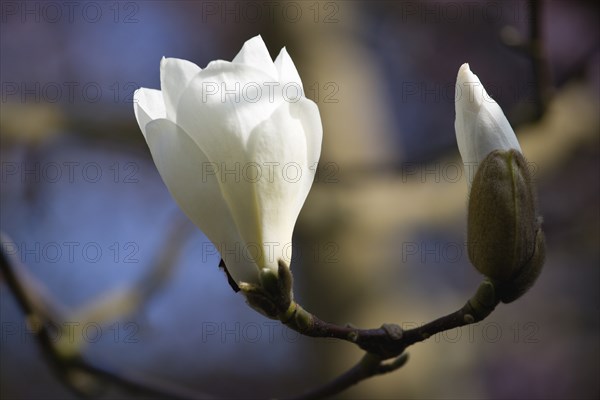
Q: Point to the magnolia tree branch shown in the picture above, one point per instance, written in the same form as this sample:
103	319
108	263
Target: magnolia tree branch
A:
44	314
533	48
368	366
273	297
82	377
388	341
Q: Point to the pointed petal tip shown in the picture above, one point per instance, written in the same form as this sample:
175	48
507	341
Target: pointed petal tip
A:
285	54
139	94
176	61
287	69
255	53
255	39
470	92
465	74
163	62
148	105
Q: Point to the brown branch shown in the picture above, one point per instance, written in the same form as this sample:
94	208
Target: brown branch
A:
538	59
368	366
44	313
390	341
533	48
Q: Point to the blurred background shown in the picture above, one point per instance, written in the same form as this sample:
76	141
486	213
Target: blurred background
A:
381	237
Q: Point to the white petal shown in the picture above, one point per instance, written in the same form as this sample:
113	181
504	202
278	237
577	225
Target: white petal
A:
175	74
148	105
255	54
481	126
243	137
221	124
291	139
287	70
231	98
186	171
307	112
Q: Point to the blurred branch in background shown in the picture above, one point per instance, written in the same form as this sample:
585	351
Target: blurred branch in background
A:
43	313
65	355
368	366
533	48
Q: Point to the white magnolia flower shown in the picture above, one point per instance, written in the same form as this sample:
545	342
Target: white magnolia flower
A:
480	124
237	145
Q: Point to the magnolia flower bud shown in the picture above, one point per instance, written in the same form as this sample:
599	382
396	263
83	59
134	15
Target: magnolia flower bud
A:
505	239
237	145
506	242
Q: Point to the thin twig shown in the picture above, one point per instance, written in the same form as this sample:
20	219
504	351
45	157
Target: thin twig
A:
44	313
533	48
368	366
538	58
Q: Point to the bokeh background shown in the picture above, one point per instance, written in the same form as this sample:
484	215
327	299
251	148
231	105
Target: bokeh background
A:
381	237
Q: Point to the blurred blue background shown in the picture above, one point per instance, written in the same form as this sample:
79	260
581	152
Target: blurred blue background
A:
381	237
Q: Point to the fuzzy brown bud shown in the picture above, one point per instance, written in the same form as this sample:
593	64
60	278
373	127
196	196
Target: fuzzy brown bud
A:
505	239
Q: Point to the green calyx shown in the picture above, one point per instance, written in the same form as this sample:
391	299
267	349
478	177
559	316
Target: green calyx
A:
482	303
273	296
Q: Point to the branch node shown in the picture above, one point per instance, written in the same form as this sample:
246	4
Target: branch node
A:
469	319
353	336
394	331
